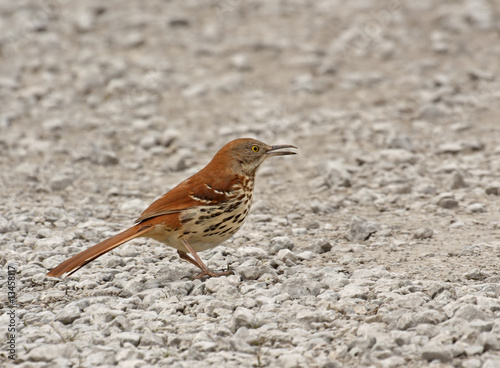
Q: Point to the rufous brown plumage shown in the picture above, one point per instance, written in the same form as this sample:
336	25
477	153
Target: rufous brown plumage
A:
200	213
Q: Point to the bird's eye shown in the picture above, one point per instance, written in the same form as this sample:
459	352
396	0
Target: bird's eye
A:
255	148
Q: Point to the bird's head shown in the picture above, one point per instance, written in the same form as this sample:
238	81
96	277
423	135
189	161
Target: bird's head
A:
247	154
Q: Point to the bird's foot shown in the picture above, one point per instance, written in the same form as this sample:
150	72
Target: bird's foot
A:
209	273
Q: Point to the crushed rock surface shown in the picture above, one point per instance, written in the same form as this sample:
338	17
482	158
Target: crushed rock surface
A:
377	246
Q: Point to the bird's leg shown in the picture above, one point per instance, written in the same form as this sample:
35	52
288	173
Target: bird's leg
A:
205	271
186	257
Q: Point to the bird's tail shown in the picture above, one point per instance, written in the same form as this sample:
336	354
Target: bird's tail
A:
81	259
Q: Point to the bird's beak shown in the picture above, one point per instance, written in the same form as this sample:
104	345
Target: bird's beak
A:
273	150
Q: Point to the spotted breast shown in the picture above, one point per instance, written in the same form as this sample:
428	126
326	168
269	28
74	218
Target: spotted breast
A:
208	225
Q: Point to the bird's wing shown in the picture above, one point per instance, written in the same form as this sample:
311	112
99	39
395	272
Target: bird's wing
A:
190	193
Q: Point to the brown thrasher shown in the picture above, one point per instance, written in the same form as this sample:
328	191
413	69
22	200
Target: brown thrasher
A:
199	213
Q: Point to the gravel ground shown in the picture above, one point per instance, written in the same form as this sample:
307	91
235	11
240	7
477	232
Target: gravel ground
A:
378	245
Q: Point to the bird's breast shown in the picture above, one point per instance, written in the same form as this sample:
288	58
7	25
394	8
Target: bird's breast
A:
209	224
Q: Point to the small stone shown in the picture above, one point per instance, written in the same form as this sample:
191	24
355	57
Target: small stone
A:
393	362
247	335
362	343
240	62
313	225
430	316
473	350
151	339
307	316
29	170
287	254
261	206
471	250
400	188
299	231
423	233
401	142
261	217
169	136
205	346
60	182
401	337
405	321
60	363
84	21
477	74
432	351
336	174
398	156
179	21
250	272
446	200
483	326
280	242
488	304
291	361
476	208
321	207
103	157
99	358
328	66
352	291
426	188
195	90
130	337
481	15
298	287
493	190
457	181
214	284
450	148
472	363
346	259
488	341
27	298
243	317
473	145
148	141
132	39
41	233
68	314
476	274
361	229
321	246
368	273
306	255
132	205
50	243
491	363
431	112
246	252
113	262
47	352
365	196
470	313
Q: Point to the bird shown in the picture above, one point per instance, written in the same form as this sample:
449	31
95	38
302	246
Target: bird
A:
200	213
